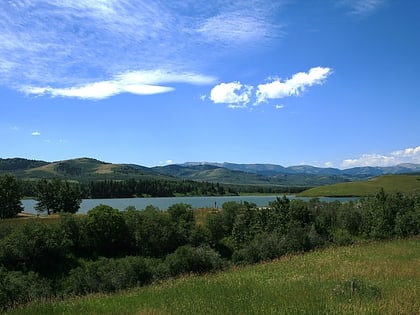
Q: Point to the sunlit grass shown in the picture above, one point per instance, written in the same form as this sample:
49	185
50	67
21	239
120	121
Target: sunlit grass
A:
299	284
409	184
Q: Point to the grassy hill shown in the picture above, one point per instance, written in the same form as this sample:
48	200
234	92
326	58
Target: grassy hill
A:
373	278
409	184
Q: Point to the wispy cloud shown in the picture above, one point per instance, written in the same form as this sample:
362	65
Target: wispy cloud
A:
361	7
35	133
238	95
69	48
167	162
235	27
409	155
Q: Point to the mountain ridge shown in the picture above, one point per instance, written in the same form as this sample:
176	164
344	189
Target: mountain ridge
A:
87	169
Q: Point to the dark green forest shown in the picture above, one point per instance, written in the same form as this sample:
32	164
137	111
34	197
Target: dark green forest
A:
108	250
156	188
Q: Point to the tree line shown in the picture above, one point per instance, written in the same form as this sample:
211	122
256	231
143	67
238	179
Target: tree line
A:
108	250
157	188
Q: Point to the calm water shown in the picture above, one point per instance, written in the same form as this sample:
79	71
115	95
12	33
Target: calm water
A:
165	202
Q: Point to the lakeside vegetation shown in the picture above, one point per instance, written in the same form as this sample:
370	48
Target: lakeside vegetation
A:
108	250
369	278
407	184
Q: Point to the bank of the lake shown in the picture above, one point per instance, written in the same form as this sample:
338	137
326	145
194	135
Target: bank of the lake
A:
164	203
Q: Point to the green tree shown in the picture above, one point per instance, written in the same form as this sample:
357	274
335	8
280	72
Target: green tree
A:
57	196
10	196
70	198
107	231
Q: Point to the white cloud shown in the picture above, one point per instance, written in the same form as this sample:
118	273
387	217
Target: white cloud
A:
35	133
134	82
235	94
167	162
293	86
238	95
328	164
409	155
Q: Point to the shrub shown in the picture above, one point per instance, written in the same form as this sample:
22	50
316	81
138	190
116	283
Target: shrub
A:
17	287
35	247
108	275
107	231
264	247
188	259
341	237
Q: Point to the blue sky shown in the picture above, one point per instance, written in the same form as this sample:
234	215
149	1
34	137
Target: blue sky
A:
322	82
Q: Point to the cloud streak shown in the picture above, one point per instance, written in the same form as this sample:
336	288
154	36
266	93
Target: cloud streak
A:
237	95
134	82
361	7
408	155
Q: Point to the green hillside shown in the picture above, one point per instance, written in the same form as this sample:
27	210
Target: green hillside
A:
409	184
374	278
81	169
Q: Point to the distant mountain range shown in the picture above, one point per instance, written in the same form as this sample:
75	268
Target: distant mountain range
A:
87	169
273	169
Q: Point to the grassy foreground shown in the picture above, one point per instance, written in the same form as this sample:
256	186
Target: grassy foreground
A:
372	278
408	184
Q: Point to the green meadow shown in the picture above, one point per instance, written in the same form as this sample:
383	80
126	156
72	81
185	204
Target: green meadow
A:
408	184
369	278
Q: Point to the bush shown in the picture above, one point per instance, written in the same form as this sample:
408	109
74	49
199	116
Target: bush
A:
188	259
17	287
108	275
263	247
107	231
35	247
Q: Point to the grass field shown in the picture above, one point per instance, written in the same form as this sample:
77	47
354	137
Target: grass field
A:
409	184
370	278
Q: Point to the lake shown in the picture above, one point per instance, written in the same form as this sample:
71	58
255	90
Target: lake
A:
164	203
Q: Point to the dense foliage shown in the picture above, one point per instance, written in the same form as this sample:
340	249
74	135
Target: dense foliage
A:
109	250
130	188
10	196
58	196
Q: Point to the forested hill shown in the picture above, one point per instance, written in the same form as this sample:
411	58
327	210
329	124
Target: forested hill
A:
88	169
81	169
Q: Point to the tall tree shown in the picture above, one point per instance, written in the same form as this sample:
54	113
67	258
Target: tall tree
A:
10	196
55	196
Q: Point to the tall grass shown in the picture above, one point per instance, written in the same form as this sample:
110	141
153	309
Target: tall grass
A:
371	278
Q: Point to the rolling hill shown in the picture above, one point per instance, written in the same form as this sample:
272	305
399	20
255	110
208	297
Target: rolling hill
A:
390	183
